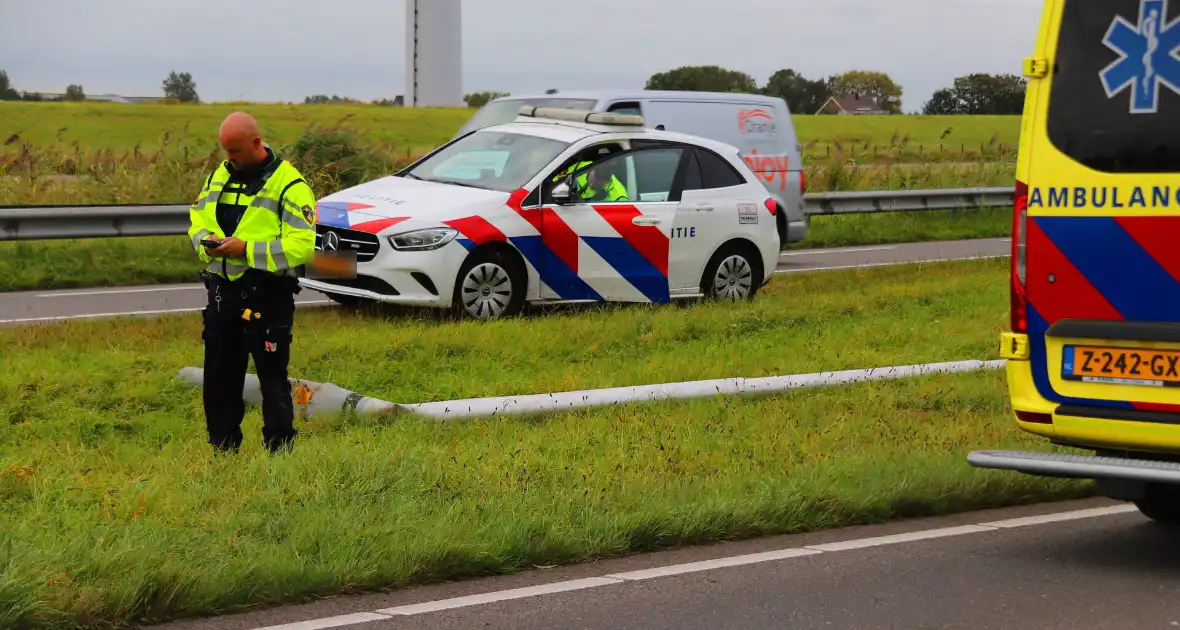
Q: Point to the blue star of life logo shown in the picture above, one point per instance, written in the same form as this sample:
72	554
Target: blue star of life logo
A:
1146	56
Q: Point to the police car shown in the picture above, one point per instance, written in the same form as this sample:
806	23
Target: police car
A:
557	206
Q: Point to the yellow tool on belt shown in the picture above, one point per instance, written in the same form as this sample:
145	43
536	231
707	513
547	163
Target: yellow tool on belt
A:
246	315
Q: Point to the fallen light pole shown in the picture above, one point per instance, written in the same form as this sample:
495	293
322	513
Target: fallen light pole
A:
312	399
319	398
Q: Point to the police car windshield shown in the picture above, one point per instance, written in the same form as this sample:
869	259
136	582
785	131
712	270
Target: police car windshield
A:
494	160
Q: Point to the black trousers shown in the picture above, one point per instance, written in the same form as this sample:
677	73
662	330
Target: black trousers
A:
230	341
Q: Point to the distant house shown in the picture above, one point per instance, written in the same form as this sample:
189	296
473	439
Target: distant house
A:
855	105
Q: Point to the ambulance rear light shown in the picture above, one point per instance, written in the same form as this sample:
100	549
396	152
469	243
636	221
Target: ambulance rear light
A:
1018	304
582	116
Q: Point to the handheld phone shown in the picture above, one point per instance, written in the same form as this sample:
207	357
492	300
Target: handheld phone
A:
210	244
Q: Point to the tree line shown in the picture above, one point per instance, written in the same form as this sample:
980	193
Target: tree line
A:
805	95
177	86
979	94
976	93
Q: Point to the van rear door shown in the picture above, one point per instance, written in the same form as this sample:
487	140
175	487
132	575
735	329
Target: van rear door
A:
762	132
1097	282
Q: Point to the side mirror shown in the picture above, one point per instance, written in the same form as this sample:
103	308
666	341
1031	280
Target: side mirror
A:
561	192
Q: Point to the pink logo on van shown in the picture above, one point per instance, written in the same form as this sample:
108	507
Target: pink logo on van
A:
755	121
769	167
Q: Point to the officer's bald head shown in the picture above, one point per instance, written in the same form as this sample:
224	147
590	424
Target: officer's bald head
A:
241	139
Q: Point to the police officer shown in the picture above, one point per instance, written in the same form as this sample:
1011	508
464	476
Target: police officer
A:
585	184
253	225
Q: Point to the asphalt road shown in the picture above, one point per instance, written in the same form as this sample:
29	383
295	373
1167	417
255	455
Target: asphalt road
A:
25	308
983	570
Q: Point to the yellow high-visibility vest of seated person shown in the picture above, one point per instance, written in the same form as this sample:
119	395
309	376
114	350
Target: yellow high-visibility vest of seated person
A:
586	184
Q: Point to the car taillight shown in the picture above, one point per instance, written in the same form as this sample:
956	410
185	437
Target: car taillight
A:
802	181
1018	307
771	205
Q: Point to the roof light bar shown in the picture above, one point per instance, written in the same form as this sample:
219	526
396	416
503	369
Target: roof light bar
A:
582	115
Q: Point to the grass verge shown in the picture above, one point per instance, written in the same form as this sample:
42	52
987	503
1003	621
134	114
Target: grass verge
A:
799	323
136	523
115	513
906	227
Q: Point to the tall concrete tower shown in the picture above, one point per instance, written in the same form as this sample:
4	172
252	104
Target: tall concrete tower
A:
434	53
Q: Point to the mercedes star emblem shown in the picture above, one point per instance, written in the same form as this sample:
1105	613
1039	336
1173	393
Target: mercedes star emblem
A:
331	242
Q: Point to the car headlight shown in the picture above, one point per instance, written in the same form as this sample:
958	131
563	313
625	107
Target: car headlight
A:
418	240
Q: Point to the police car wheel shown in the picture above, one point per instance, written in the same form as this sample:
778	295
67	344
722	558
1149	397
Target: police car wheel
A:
732	274
490	285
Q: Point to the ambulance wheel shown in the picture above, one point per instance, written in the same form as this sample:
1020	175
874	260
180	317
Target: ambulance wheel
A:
1161	503
491	284
733	273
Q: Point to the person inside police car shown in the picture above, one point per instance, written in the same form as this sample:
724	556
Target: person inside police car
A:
601	184
597	183
253	225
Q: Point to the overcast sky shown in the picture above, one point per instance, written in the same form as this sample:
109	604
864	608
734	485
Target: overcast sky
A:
356	48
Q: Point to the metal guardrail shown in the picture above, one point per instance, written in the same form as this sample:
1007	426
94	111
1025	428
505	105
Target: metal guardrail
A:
872	201
33	223
30	223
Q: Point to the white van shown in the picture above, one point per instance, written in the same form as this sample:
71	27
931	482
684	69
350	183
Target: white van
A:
759	126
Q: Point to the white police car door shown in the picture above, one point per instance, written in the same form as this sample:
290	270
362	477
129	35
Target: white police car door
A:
716	205
616	250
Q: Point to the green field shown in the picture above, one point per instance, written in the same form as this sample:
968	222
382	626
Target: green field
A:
405	131
115	512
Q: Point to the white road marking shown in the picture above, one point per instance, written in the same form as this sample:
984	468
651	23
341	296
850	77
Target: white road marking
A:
330	622
705	565
895	539
1059	517
845	250
58	294
58	318
889	264
497	596
708	565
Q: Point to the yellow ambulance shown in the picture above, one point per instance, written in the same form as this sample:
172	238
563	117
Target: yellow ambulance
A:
1093	352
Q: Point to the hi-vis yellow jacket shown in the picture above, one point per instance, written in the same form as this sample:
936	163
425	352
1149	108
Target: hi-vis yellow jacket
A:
278	223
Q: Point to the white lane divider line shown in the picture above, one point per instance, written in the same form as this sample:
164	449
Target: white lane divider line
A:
896	539
120	291
330	622
452	603
708	565
1060	517
843	250
498	596
57	318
